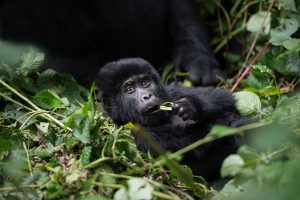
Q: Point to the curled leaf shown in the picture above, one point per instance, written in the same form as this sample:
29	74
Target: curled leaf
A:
247	102
166	106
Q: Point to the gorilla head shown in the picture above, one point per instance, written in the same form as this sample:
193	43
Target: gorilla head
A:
131	90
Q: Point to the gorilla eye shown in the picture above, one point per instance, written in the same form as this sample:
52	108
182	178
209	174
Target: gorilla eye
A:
129	87
145	82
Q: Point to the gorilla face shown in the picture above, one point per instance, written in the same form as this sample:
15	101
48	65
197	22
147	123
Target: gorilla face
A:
132	92
144	96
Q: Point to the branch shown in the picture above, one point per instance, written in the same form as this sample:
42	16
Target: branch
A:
249	67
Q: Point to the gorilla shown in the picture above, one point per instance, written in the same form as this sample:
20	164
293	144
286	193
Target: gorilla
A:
131	91
81	36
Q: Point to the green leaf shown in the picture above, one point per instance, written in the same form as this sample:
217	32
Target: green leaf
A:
129	125
31	60
10	53
70	141
167	74
43	127
94	198
129	150
288	64
135	189
73	176
261	18
187	83
229	191
249	155
262	69
292	43
165	108
106	178
247	102
287	5
85	155
210	6
46	76
232	165
283	33
5	146
12	113
260	77
49	98
44	152
82	132
288	112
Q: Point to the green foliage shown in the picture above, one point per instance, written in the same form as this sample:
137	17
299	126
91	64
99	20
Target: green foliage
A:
258	20
135	189
55	143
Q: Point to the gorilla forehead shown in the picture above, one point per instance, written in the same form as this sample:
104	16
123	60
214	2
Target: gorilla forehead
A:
113	74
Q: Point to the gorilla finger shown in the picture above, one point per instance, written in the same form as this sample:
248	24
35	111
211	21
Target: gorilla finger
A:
181	112
175	108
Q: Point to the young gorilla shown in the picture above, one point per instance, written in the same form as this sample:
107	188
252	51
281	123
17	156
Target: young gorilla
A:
131	91
79	36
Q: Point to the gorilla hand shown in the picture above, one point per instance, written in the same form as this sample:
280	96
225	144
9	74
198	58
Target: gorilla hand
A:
187	108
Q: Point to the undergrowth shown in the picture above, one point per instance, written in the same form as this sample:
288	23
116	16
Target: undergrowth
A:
55	142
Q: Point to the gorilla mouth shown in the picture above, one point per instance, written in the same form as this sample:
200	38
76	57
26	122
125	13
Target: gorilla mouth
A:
151	109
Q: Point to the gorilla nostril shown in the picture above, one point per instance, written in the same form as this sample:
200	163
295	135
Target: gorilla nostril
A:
147	96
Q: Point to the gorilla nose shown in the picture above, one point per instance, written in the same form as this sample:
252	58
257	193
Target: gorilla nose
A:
147	96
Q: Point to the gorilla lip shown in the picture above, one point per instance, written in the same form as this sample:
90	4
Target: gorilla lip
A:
152	109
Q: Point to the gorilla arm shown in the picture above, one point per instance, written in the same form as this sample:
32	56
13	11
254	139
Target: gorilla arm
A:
191	48
204	104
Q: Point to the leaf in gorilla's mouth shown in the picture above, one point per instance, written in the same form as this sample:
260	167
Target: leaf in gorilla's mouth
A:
166	106
156	108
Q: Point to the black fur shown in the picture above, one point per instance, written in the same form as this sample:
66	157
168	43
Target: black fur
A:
195	111
80	36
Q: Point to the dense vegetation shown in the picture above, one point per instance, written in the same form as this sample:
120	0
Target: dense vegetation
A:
55	142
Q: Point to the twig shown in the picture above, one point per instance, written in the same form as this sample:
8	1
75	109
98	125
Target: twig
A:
210	138
34	106
248	68
116	135
12	189
255	38
28	158
19	94
96	162
228	37
154	193
240	13
230	33
186	195
15	102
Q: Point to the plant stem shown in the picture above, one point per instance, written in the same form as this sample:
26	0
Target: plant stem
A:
233	33
249	67
254	41
19	94
11	189
154	193
210	138
96	162
15	102
28	158
34	106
